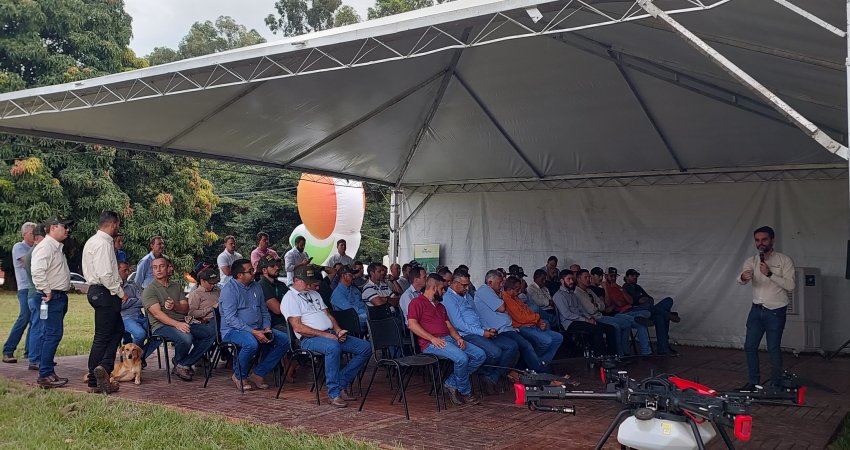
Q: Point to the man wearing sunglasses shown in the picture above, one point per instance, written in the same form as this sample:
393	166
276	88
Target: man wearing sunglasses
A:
318	331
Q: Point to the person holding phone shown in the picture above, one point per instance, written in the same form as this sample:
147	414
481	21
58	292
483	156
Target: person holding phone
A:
296	258
246	322
772	276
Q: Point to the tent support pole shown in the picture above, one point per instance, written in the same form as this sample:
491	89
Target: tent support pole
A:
747	81
350	126
438	99
646	112
395	212
498	125
811	17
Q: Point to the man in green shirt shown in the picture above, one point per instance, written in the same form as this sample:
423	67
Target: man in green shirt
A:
167	307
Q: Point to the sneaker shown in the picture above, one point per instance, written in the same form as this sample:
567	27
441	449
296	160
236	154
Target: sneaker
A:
471	399
9	358
182	373
101	377
674	317
645	321
454	395
339	403
258	381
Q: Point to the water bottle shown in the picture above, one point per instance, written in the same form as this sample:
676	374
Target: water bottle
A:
43	312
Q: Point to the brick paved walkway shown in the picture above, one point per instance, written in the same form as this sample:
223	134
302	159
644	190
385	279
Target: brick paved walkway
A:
496	423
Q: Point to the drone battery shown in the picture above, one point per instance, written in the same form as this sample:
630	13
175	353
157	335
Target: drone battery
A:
658	434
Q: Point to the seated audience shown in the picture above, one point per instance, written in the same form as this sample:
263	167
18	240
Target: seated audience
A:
500	350
135	323
204	299
347	296
428	319
493	314
246	322
595	307
575	319
661	311
529	324
167	308
553	281
376	293
273	290
318	331
417	274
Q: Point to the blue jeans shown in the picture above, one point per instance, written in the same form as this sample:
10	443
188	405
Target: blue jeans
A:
499	351
661	317
249	347
36	328
138	330
527	354
53	331
465	361
763	321
622	330
189	347
642	331
335	378
20	325
545	342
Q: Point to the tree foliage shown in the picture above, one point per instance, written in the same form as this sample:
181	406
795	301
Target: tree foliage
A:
346	15
208	37
385	8
296	17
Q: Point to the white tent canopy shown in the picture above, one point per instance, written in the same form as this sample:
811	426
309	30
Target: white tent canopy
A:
491	115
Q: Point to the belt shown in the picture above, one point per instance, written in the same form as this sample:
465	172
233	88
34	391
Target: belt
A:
761	306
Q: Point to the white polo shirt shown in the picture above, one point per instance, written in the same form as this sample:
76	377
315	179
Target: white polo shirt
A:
307	305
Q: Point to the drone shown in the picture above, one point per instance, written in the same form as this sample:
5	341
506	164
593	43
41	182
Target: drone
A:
659	412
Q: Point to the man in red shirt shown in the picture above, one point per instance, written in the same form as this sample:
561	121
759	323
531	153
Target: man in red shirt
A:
427	318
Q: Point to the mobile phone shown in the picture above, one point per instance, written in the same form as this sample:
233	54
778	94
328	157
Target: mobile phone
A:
269	335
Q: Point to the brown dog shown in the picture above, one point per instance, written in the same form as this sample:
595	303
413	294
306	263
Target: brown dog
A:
128	364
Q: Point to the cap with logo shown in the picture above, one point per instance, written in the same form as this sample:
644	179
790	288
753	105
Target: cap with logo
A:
346	270
612	271
268	261
309	274
209	274
56	220
631	272
516	271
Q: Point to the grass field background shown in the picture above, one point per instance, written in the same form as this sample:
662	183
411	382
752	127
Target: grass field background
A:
79	324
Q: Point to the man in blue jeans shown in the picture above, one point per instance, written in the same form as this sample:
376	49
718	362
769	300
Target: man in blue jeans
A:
661	311
318	331
772	276
34	302
428	320
19	252
135	323
246	322
167	307
501	351
52	278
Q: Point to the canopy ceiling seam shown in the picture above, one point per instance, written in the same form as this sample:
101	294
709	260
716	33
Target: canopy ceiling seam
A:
750	83
648	113
352	125
213	113
438	100
685	81
498	125
181	152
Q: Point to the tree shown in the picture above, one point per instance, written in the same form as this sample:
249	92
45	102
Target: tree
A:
385	8
207	37
346	15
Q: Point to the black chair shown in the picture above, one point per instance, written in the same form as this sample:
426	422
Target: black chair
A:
216	352
164	341
385	334
348	319
295	350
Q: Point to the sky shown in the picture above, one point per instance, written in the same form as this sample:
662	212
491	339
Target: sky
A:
162	23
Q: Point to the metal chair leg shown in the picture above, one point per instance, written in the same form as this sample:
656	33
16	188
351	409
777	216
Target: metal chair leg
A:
167	362
368	388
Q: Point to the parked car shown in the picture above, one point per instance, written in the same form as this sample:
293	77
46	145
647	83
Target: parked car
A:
78	283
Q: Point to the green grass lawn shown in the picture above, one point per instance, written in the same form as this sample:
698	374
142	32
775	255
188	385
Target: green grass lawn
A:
54	419
79	324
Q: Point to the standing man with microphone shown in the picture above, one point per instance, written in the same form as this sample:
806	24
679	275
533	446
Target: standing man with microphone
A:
772	276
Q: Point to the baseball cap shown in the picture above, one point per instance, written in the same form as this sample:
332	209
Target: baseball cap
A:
209	274
596	271
631	272
516	270
346	270
612	271
56	220
268	261
308	274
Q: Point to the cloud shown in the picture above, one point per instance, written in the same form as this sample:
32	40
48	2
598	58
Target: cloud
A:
162	23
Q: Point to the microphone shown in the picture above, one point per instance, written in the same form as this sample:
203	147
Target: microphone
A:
761	255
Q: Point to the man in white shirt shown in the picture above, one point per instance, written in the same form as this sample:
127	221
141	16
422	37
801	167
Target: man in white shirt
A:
52	278
226	258
340	256
105	295
772	275
318	331
296	258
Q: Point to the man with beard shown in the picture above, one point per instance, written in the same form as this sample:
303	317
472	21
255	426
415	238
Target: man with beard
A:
772	276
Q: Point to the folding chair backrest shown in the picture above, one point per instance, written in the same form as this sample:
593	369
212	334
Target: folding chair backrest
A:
348	320
379	312
294	342
217	326
384	333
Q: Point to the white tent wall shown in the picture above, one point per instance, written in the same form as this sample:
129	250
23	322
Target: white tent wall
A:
688	241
